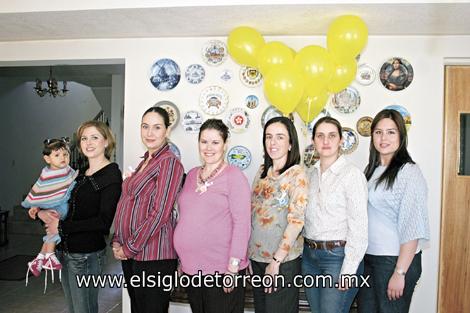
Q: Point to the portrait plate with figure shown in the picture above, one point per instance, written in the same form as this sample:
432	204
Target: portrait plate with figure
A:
396	74
350	140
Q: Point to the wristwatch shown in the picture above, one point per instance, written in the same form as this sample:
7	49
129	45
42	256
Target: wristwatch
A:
400	271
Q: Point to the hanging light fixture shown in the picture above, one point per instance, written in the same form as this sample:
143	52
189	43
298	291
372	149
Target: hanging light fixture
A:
52	87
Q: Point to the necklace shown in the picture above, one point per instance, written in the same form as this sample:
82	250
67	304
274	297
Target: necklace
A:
203	183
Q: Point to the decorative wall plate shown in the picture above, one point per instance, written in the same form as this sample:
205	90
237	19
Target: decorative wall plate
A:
237	120
239	156
165	74
363	126
174	149
310	125
396	74
250	76
226	75
347	100
195	73
311	155
172	110
350	140
214	52
404	113
251	101
271	112
192	121
213	100
365	74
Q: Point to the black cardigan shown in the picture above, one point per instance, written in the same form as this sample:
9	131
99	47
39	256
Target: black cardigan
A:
92	206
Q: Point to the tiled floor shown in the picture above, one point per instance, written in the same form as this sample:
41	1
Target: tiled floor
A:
15	297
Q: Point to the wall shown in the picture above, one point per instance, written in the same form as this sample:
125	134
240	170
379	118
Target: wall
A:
423	99
26	121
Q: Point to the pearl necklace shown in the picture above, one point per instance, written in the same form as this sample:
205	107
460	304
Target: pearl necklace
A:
203	183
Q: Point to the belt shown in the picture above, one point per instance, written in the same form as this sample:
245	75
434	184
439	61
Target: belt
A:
325	245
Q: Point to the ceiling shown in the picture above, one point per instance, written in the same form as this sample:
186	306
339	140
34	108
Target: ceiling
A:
189	21
401	19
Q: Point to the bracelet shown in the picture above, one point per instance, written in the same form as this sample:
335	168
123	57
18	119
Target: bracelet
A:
399	271
276	260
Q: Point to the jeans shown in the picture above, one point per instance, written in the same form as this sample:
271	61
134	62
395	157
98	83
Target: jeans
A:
323	299
380	269
81	299
284	299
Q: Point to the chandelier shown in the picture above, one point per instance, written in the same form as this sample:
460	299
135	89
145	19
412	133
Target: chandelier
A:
52	87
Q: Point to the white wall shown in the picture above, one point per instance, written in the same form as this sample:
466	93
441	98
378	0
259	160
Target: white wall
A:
26	120
423	99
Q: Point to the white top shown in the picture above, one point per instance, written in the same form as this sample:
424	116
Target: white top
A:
337	209
397	215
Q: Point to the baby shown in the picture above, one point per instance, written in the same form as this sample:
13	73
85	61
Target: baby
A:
51	192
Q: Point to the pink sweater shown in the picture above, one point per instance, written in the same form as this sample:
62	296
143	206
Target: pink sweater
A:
215	225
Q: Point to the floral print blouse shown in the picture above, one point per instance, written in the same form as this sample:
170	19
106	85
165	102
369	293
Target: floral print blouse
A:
278	204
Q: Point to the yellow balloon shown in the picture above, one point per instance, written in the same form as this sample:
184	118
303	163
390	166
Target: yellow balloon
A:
347	36
313	101
344	73
315	63
273	54
284	87
244	44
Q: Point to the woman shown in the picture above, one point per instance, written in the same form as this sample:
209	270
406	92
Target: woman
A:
214	227
91	211
398	218
143	238
335	231
278	203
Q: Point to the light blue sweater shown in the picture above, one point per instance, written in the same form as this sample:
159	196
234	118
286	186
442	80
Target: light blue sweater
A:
397	215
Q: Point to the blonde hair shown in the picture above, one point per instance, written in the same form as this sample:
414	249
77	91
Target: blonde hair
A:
104	130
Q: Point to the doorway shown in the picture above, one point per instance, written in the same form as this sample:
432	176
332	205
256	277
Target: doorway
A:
454	270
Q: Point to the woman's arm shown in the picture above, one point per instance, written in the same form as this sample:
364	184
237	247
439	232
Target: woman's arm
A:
396	284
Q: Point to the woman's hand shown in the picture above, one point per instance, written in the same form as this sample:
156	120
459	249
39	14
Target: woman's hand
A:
32	212
396	284
118	252
229	289
272	270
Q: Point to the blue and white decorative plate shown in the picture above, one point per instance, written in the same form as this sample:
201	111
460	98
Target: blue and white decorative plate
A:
174	149
270	113
165	74
347	100
250	76
213	100
195	73
192	121
237	120
172	110
350	140
239	156
251	101
310	125
214	52
226	75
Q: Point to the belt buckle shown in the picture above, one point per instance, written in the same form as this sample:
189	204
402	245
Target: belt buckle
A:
313	244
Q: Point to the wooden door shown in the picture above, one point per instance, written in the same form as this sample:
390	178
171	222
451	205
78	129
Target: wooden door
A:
454	269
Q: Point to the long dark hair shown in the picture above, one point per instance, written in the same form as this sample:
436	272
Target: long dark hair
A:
401	156
293	155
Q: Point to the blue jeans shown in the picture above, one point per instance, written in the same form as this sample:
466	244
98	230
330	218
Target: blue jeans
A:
81	299
327	262
380	269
